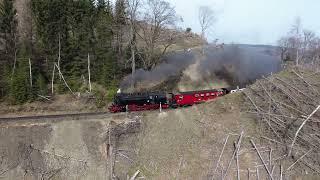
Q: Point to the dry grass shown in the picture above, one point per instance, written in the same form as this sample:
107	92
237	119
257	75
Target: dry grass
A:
60	104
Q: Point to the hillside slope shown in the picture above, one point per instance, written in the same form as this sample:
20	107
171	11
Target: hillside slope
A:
187	143
197	142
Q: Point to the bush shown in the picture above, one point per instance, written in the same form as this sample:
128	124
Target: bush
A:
100	98
20	91
41	85
111	93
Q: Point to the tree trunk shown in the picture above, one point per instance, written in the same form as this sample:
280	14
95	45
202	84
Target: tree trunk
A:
14	63
133	58
297	57
89	74
59	56
52	79
30	71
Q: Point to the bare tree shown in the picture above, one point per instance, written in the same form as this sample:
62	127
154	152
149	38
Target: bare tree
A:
154	30
296	32
299	45
206	19
283	44
132	11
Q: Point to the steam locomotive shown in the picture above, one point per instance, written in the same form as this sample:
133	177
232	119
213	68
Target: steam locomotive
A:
124	102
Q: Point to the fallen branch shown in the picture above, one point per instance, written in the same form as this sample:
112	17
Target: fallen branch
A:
135	175
298	160
299	129
224	145
234	153
44	97
306	82
265	166
64	79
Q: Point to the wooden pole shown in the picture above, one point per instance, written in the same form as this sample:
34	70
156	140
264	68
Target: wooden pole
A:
89	73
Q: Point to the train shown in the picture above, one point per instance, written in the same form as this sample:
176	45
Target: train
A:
127	102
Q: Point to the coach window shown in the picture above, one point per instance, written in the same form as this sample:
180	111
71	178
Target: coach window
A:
208	94
181	97
202	95
196	95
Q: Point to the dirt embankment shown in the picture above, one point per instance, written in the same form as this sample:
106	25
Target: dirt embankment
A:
60	149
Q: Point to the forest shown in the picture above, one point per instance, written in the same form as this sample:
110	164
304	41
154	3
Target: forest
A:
66	46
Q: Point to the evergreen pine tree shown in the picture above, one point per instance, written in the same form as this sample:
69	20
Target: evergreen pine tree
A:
20	88
8	32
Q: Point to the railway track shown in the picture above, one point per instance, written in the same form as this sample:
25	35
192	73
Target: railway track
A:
52	117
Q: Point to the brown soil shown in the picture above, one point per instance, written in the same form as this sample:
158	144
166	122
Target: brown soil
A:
60	104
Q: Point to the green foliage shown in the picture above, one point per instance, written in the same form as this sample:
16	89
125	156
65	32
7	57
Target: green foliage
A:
112	91
67	29
100	99
20	88
8	33
83	28
41	85
8	22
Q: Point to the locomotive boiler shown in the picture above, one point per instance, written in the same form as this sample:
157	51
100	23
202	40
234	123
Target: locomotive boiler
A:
154	100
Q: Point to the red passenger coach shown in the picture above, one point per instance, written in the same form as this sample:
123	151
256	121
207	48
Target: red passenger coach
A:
196	97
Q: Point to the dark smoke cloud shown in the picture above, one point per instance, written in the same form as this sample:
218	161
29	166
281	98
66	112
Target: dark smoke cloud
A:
240	64
236	64
173	64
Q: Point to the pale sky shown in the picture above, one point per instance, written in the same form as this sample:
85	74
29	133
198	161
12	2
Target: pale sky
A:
251	21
